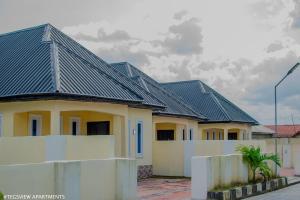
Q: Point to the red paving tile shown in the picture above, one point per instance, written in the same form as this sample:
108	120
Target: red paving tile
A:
164	189
287	172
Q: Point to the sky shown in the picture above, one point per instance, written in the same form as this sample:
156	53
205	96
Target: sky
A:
240	48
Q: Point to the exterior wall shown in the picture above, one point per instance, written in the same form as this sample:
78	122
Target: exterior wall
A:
134	116
21	121
181	123
288	149
168	158
84	116
210	172
9	110
225	127
19	150
174	158
116	179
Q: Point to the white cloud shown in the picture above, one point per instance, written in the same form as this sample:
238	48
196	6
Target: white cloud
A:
241	48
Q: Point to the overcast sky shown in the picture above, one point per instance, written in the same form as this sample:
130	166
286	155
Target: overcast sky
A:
240	48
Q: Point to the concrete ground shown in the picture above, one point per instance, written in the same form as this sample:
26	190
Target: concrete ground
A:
180	189
164	189
288	193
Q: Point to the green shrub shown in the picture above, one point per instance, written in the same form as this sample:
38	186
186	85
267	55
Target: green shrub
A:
257	161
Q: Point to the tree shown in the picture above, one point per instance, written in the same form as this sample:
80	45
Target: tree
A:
257	160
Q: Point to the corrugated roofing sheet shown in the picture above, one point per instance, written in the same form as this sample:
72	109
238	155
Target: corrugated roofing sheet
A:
175	106
204	99
44	60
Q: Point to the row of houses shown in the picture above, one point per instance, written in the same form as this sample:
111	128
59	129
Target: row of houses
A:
52	85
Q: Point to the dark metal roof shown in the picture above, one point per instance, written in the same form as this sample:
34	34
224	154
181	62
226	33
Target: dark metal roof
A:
204	99
43	60
175	106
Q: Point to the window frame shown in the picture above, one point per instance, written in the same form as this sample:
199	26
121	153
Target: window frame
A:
207	135
139	154
1	124
191	134
39	118
78	121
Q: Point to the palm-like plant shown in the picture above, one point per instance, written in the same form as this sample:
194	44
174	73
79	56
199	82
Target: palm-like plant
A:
258	161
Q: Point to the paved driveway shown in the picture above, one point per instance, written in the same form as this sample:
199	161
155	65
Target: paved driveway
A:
288	193
164	189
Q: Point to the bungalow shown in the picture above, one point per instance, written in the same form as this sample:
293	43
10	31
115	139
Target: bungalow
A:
51	85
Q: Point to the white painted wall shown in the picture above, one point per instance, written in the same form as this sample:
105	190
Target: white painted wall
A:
209	172
107	179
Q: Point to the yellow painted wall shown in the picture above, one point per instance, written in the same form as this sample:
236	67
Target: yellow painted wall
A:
180	123
15	150
165	126
168	158
21	122
84	116
230	127
135	115
9	110
210	131
19	150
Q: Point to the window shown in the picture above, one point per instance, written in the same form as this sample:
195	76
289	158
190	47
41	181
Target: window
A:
129	138
191	134
207	135
75	126
1	124
232	136
139	139
163	135
98	128
214	135
35	125
183	134
220	135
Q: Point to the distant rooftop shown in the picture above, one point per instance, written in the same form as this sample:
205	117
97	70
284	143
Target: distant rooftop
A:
207	101
286	130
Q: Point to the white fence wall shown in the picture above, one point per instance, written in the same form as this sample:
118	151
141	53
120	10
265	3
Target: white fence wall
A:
107	179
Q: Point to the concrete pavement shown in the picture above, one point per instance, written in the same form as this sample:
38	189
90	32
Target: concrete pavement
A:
288	193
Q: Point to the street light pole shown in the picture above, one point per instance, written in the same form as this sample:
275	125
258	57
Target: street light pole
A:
276	133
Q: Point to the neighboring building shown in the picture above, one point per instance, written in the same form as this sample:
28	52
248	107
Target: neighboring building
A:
262	132
225	120
286	131
51	85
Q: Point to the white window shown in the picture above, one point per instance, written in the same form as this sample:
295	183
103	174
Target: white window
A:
35	125
220	135
139	139
1	124
191	134
207	135
214	135
183	134
61	125
129	138
75	126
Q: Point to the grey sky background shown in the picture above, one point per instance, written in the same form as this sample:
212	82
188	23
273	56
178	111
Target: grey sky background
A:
240	48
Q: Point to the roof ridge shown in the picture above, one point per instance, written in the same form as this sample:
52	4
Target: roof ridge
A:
168	93
179	82
220	105
55	67
24	29
108	65
226	100
103	72
159	87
